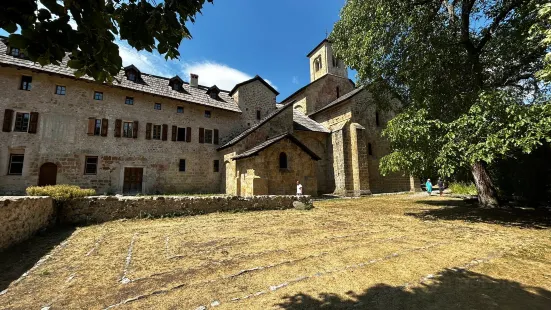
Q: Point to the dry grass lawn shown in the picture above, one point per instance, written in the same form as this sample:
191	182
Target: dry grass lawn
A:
386	252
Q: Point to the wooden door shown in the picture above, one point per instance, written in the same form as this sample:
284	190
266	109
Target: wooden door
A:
132	180
47	175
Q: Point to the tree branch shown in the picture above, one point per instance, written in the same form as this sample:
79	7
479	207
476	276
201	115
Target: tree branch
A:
488	32
466	9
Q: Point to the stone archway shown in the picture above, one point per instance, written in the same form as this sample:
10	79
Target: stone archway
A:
48	174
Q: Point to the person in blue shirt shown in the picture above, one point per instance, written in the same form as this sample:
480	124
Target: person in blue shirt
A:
429	187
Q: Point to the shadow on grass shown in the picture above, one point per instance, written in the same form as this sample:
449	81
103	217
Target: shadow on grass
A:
451	290
16	260
469	211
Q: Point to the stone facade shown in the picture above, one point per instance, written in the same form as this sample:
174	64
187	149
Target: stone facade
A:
186	140
22	217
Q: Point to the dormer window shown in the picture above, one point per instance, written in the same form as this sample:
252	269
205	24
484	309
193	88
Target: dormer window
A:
15	52
132	76
132	73
213	92
176	83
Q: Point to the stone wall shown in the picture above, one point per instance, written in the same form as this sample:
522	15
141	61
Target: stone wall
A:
320	93
101	209
62	137
22	217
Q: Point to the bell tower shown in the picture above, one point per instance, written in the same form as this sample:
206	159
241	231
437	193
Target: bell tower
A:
322	62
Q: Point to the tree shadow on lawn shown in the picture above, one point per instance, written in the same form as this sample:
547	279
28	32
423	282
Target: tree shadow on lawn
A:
449	290
468	211
18	259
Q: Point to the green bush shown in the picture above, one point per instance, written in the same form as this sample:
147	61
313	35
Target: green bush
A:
60	192
463	188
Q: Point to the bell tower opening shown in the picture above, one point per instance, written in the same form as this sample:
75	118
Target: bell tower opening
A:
322	62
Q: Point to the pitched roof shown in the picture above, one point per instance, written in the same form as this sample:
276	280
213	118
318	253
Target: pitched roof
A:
311	83
256	78
339	100
245	133
303	122
317	46
257	149
148	83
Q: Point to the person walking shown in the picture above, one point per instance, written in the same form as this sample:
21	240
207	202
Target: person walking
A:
299	189
440	186
429	187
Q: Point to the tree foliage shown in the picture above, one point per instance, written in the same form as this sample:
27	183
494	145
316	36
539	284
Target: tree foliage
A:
87	29
466	72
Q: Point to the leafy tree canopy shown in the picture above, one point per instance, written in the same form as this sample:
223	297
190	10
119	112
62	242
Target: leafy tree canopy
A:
46	33
468	73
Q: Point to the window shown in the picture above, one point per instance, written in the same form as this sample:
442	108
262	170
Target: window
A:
248	124
317	63
377	119
207	114
129	100
14	52
208	136
257	114
283	161
338	92
180	110
335	62
156	132
97	127
176	86
127	129
216	166
98	95
91	165
369	149
181	136
131	76
26	82
157	106
60	90
182	166
16	164
21	122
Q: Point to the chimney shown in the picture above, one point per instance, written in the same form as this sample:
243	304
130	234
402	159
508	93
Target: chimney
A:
194	80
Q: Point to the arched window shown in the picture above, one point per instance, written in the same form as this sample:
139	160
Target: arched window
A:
369	149
282	161
377	119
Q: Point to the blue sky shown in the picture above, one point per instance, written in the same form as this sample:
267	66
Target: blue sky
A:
235	40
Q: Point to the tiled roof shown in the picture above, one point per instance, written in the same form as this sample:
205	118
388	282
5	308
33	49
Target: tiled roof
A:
257	149
253	128
256	78
303	122
149	84
339	100
315	81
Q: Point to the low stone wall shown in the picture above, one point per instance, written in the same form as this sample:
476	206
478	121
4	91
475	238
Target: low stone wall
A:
22	217
107	208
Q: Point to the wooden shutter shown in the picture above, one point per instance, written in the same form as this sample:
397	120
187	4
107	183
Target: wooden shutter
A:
104	127
135	130
8	117
33	122
215	136
118	124
174	132
148	131
165	132
188	134
91	125
201	135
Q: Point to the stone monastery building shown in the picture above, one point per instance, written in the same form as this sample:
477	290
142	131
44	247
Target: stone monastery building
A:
149	134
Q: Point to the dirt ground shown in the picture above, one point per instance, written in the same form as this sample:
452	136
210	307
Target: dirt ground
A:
385	252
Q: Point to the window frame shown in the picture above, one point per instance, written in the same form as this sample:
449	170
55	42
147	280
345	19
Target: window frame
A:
15	49
132	76
182	160
157	105
129	99
317	63
258	115
97	130
160	132
283	155
178	134
14	129
216	165
208	114
86	163
11	162
26	83
130	129
178	110
211	136
60	90
98	93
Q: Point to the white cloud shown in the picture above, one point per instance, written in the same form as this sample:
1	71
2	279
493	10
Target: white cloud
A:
151	63
212	73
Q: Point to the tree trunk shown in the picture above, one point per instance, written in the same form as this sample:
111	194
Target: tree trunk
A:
487	194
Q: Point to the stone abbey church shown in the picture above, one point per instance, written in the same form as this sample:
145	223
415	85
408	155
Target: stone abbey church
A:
150	134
